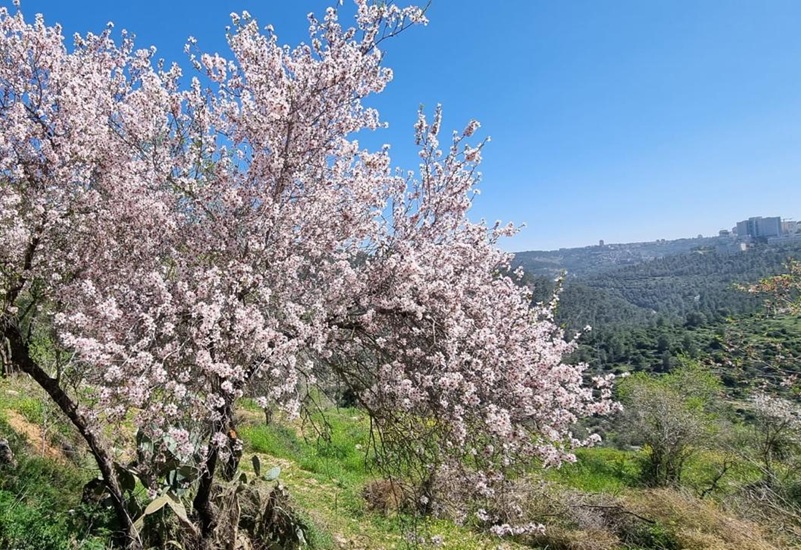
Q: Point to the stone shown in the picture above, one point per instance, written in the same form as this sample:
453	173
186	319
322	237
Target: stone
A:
6	455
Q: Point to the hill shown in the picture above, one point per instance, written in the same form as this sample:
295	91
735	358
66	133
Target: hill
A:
649	304
578	262
633	284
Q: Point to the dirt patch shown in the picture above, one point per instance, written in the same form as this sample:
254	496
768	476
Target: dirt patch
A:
33	433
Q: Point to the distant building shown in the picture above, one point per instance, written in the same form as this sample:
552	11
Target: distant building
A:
791	227
760	228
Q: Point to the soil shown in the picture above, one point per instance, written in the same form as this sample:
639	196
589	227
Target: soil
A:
33	433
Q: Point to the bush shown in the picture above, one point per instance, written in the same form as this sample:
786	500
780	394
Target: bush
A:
672	416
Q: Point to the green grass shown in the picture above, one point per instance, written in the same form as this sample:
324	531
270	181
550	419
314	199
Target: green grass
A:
276	439
613	471
322	471
325	476
40	505
704	468
23	396
599	470
32	410
336	453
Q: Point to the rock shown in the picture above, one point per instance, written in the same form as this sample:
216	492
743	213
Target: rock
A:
6	455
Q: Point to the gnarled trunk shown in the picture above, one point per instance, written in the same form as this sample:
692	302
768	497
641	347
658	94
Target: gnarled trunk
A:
21	358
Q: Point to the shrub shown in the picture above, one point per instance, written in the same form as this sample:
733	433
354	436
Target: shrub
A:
672	416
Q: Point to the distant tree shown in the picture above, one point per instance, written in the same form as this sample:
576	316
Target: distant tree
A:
782	293
671	415
663	342
666	362
167	241
776	435
695	319
689	346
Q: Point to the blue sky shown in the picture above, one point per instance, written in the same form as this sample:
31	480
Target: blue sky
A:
619	120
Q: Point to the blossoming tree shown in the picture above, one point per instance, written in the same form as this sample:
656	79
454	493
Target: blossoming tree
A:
167	241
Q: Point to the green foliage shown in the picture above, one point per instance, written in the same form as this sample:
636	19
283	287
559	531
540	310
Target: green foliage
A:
759	351
672	416
783	291
40	505
30	525
600	470
692	383
650	304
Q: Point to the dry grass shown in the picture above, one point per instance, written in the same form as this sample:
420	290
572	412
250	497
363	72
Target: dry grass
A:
658	518
700	524
559	538
385	496
780	517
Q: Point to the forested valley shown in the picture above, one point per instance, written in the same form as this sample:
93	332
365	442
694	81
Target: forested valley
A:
646	312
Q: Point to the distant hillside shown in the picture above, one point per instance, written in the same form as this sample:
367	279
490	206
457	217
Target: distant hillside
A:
632	284
581	305
579	262
700	281
652	304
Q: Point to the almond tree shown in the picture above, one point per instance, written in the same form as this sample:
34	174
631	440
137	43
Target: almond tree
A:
166	241
776	434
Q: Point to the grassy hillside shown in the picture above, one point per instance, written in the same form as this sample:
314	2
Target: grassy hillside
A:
597	503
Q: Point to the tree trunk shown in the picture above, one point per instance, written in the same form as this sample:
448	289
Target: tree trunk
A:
21	357
202	502
207	514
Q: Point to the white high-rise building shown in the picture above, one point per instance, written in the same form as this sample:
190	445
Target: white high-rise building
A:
760	228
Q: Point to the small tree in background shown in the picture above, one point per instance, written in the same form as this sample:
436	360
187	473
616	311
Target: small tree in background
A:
672	416
776	436
782	292
165	245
